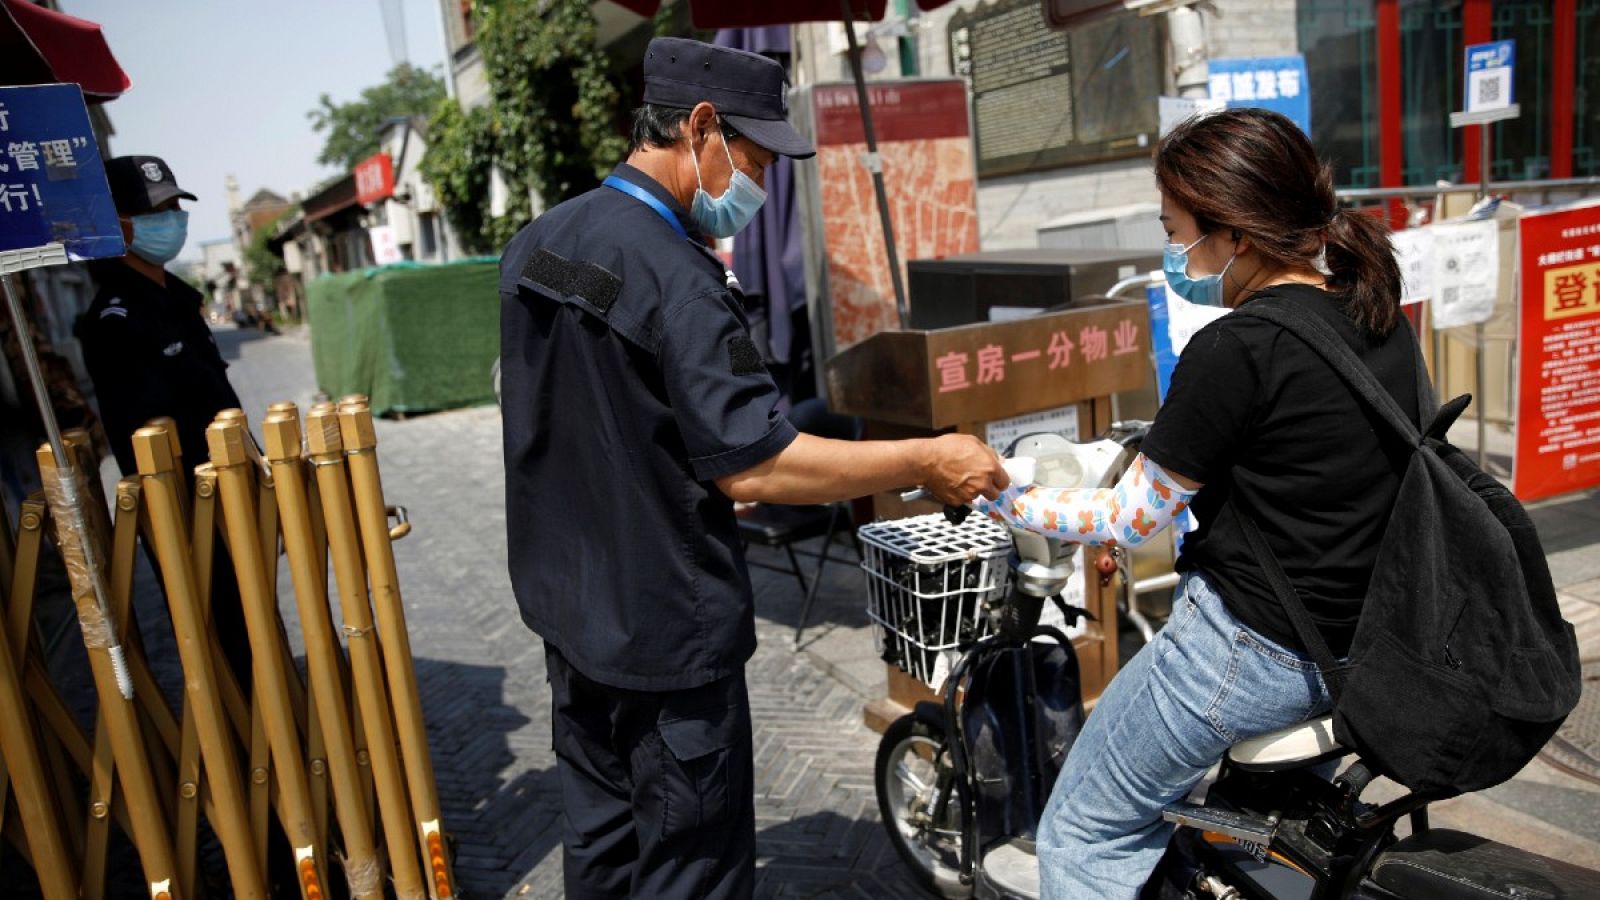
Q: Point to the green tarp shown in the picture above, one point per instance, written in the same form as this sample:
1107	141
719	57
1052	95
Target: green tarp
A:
412	338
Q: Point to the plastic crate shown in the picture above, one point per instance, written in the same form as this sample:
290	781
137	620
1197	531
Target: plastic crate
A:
929	586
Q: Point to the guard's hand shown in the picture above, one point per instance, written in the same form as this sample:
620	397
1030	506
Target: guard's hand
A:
961	467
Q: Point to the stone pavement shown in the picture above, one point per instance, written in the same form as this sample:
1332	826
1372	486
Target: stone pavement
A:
819	833
481	672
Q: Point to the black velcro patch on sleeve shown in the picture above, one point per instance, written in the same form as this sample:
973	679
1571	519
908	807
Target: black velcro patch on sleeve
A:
587	280
744	356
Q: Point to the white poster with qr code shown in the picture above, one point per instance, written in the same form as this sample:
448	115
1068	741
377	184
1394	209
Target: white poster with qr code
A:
1489	70
1466	272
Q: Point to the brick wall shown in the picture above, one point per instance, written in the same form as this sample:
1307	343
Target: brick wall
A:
1250	27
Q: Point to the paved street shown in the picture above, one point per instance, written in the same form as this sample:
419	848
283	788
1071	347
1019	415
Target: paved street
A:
482	674
819	833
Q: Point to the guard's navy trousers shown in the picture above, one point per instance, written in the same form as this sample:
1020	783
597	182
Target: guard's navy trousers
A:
658	788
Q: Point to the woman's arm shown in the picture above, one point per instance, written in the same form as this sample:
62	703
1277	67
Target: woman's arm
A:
1146	500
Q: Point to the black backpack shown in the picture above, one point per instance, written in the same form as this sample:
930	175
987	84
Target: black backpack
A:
1461	666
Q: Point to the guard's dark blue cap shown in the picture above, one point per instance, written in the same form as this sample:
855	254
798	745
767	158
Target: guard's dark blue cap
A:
750	91
142	183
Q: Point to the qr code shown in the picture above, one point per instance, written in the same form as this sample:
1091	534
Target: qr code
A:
1489	90
1449	295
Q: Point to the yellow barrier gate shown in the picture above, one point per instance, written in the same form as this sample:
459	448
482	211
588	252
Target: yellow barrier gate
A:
325	755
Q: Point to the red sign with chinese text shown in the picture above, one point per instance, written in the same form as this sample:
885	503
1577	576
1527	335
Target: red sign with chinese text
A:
374	178
1558	369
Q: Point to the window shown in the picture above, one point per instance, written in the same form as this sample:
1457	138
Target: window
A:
1586	99
426	237
1521	146
1341	44
1430	65
1339	40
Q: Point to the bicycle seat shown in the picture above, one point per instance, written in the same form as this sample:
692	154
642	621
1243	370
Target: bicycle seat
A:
1288	748
1453	865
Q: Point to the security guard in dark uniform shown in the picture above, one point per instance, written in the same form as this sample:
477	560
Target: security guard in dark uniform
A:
637	410
150	353
146	344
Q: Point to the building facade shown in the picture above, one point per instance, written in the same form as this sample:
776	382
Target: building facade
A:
1383	77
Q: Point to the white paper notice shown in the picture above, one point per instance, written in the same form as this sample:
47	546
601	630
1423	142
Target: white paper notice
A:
385	249
1171	111
1466	272
1185	318
1063	421
1413	250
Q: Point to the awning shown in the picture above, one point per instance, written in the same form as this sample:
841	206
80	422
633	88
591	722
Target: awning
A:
42	46
331	200
744	14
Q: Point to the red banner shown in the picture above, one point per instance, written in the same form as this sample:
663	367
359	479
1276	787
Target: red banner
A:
374	178
1558	370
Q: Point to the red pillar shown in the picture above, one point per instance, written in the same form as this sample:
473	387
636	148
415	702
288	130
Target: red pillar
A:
1563	83
1390	146
1477	27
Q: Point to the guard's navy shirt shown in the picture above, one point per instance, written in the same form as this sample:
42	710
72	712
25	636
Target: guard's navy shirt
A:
629	384
150	353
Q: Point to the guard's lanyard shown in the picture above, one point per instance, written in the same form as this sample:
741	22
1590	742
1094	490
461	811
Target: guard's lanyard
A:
648	199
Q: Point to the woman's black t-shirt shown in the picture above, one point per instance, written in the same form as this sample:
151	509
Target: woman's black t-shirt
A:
1263	423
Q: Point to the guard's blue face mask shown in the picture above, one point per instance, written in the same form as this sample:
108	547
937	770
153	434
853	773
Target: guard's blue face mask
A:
725	216
157	237
1205	290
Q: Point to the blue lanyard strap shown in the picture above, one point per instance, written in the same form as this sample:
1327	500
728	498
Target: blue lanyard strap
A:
648	199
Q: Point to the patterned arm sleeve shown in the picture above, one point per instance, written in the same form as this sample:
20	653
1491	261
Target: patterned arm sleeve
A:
1144	501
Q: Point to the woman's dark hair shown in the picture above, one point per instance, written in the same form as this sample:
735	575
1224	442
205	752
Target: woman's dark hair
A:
1255	172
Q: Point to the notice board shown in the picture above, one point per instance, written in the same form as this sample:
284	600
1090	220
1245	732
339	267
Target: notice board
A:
1043	99
1558	365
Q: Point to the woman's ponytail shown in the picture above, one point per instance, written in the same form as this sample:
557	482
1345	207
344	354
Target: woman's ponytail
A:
1363	267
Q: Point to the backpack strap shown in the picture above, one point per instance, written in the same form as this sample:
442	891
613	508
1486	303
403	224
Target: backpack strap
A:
1304	626
1327	343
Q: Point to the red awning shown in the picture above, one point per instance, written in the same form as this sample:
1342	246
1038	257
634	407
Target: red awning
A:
745	14
41	46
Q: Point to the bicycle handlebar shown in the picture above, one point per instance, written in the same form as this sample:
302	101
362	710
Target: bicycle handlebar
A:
955	515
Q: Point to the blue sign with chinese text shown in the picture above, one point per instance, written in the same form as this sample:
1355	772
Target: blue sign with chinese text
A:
52	181
1489	81
1278	83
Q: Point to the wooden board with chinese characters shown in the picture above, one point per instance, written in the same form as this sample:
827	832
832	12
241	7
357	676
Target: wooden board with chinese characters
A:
909	383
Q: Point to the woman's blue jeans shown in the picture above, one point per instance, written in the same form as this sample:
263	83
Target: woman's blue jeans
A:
1205	682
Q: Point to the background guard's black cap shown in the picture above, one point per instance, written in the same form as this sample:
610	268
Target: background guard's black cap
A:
142	183
749	90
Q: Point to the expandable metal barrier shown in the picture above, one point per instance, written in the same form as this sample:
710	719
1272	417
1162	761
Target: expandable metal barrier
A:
339	758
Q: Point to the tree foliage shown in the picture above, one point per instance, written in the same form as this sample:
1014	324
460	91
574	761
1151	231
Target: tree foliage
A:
552	125
352	128
261	265
460	156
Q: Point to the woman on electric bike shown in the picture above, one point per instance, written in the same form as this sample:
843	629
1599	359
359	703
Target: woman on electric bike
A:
1255	424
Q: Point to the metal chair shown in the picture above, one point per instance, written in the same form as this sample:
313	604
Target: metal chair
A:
779	525
782	526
